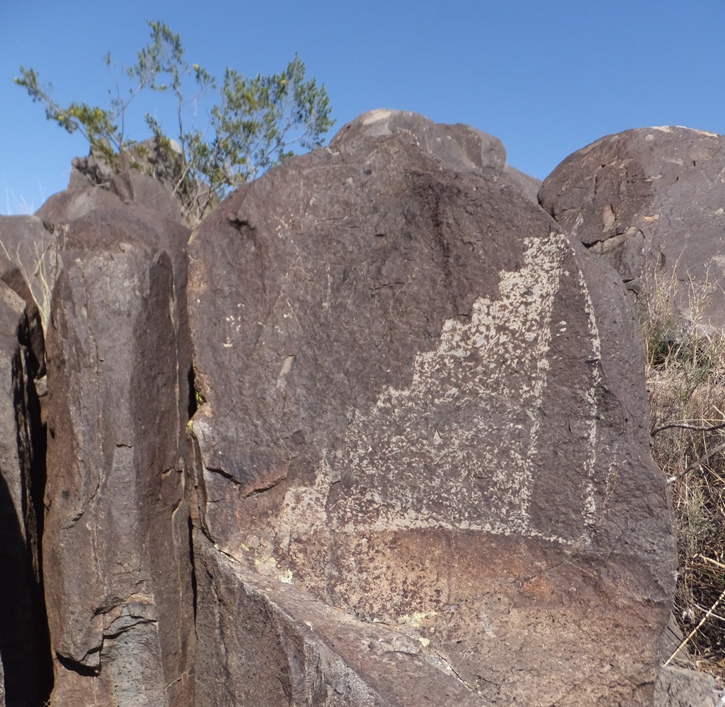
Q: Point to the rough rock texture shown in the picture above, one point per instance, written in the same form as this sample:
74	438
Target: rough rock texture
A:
127	187
165	165
650	200
28	265
680	687
273	644
528	185
24	656
458	147
118	576
425	407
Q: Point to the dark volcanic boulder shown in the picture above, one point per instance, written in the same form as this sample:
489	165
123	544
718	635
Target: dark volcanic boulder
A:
424	410
130	187
650	201
118	576
458	147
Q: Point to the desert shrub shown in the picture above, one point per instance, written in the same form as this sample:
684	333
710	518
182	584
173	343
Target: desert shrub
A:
255	123
685	362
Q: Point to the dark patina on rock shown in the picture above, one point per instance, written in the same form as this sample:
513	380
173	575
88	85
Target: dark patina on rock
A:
117	559
650	202
459	147
425	407
24	649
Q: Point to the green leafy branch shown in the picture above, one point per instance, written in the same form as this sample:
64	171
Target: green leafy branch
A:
256	122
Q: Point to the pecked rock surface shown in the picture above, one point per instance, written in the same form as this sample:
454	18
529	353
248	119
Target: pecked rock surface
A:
118	576
289	649
650	201
423	413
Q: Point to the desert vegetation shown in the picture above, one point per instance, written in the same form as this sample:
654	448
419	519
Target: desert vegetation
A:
252	123
685	362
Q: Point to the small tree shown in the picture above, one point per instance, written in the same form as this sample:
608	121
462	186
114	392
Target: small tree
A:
253	126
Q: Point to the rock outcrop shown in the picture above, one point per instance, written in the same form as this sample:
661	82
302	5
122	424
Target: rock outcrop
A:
458	147
387	445
683	687
118	576
650	201
129	187
425	408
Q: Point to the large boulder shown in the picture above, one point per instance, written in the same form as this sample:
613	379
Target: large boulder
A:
424	408
650	201
117	562
458	147
127	188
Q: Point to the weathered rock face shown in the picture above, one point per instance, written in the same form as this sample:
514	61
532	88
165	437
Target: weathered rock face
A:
129	187
118	577
424	407
301	652
458	147
24	650
649	201
28	265
681	687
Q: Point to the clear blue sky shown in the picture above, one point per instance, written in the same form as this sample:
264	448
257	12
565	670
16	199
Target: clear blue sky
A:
545	76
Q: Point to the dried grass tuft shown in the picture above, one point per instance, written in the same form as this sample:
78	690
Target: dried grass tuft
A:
686	385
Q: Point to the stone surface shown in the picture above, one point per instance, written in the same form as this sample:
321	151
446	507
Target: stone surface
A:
70	204
458	147
680	687
425	407
650	201
528	185
117	563
269	644
29	266
24	654
165	165
129	187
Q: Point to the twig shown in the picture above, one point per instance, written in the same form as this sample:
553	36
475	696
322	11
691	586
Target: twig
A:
711	561
697	628
695	464
687	426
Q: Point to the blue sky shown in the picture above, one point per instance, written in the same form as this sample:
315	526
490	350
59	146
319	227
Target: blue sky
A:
545	76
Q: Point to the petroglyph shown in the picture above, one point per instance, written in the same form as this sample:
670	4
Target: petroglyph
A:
456	448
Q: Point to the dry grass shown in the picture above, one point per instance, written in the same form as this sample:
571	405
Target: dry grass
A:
686	385
41	278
